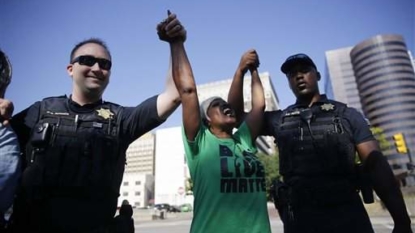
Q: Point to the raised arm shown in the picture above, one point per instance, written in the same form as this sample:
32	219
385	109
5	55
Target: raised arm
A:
169	100
235	97
254	117
173	32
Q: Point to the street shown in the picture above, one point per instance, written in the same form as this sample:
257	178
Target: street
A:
180	223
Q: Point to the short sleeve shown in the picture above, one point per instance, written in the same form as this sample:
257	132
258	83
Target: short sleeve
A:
359	126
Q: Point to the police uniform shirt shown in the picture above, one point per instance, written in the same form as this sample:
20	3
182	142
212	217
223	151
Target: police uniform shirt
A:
353	121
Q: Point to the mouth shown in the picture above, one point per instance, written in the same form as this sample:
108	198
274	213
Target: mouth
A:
228	112
301	85
95	78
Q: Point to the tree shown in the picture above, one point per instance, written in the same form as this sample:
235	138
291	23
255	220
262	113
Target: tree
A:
380	136
271	166
189	186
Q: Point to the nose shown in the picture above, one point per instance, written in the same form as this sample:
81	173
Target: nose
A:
95	67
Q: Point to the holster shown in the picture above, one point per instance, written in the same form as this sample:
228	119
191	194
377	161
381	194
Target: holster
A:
280	194
364	185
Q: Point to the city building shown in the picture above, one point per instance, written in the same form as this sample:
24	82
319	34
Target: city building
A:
137	189
171	168
377	78
386	82
138	182
340	82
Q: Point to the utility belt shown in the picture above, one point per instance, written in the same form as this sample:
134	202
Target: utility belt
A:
290	198
330	195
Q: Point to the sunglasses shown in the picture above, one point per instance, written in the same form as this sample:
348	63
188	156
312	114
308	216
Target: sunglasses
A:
88	60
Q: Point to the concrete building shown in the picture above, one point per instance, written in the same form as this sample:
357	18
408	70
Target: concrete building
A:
386	82
340	82
137	188
171	169
138	181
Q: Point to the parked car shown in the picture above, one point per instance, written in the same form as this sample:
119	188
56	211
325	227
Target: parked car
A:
174	209
162	206
186	207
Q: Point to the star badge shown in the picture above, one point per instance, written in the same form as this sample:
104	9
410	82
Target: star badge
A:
105	113
327	107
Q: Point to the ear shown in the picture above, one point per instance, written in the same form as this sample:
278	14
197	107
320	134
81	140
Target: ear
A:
318	76
69	69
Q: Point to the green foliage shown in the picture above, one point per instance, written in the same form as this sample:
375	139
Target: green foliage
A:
189	185
380	136
271	165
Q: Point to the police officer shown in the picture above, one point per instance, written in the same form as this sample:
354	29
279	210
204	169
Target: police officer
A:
317	140
75	146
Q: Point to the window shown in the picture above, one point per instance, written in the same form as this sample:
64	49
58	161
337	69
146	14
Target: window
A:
138	193
137	203
125	194
125	183
137	182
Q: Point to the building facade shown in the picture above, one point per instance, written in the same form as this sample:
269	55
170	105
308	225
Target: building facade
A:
138	181
340	82
386	82
377	78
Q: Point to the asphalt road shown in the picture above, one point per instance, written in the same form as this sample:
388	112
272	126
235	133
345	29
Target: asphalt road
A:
180	223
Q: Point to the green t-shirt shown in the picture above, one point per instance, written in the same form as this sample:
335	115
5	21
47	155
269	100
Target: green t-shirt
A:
228	184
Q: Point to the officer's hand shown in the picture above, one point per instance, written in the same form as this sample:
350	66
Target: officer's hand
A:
249	60
170	29
6	111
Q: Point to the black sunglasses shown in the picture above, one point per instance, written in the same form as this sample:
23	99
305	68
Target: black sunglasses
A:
89	60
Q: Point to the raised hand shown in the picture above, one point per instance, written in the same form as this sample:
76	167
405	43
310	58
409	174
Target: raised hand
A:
170	29
249	60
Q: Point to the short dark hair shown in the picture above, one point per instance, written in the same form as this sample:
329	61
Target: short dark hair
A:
89	41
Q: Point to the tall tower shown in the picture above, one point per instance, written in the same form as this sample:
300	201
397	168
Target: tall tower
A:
340	80
386	82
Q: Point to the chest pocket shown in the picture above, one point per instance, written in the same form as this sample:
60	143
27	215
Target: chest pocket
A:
313	141
74	154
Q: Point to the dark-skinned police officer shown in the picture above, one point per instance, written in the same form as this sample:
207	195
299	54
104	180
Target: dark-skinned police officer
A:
317	140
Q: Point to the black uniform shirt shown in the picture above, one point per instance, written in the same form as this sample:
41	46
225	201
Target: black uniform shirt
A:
135	121
353	121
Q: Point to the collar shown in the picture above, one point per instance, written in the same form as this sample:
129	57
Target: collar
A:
323	99
83	108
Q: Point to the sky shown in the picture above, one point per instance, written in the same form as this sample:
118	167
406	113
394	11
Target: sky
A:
39	35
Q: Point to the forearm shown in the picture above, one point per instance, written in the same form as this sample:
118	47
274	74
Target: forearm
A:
182	71
257	92
235	95
169	100
386	187
186	86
